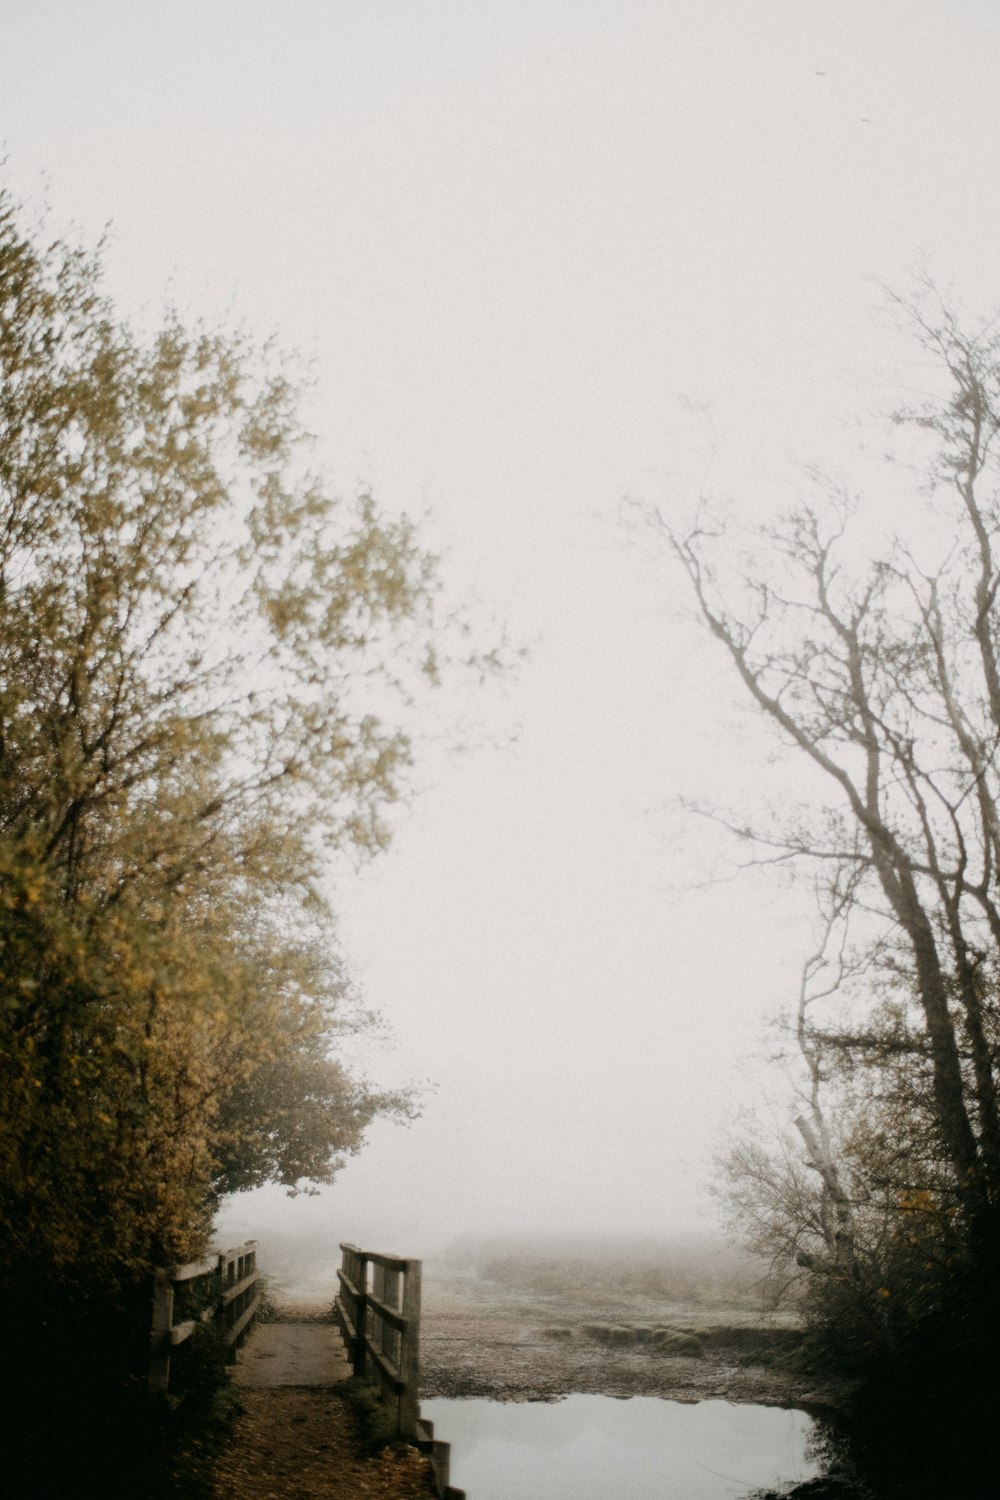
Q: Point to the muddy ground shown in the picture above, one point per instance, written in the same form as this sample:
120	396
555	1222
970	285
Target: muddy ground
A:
531	1350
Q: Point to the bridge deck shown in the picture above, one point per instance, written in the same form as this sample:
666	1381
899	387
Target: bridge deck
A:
283	1354
296	1438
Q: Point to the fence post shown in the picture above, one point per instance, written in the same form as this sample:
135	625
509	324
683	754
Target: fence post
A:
361	1319
409	1354
159	1338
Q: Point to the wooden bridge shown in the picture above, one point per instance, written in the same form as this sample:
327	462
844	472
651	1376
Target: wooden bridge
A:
375	1336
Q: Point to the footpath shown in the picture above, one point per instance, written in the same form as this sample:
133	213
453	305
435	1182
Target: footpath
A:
296	1437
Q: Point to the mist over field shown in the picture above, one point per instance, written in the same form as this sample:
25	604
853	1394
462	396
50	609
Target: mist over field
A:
698	1270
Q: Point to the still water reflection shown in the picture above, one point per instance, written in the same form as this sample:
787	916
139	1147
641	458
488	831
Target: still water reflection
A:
590	1447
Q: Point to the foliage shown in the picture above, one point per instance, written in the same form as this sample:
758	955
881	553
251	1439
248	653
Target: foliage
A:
376	1418
206	663
267	1306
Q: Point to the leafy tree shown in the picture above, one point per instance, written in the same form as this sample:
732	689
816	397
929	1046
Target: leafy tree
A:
206	664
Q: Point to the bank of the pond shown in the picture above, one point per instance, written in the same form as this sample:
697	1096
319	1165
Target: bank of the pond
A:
504	1357
479	1343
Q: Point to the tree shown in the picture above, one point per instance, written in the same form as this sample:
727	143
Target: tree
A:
843	1195
880	668
205	665
885	675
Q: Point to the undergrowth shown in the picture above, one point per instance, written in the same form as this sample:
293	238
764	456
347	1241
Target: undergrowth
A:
376	1419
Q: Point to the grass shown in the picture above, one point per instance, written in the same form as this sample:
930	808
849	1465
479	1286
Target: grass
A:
670	1300
376	1419
692	1275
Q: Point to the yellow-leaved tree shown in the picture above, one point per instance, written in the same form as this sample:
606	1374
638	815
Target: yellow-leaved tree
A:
205	667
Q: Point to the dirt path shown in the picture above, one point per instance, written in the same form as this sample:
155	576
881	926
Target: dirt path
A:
287	1353
296	1437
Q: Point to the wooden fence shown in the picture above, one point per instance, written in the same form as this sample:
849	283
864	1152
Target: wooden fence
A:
222	1288
378	1312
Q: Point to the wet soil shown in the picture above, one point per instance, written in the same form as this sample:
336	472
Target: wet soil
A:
510	1354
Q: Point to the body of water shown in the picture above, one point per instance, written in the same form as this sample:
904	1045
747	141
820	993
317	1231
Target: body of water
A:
590	1447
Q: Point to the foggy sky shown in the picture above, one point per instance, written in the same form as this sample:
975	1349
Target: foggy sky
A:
544	256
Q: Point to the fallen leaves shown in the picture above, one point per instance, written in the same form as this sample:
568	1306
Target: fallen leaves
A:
300	1444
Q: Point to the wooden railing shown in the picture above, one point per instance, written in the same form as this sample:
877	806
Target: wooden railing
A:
225	1285
378	1312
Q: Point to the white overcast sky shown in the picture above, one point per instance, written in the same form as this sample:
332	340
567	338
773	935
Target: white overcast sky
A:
544	254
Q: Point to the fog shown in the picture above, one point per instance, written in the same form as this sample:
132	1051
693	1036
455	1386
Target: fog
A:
543	257
697	1269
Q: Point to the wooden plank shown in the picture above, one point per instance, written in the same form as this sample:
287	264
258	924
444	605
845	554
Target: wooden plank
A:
238	1250
347	1333
348	1285
347	1328
409	1353
232	1292
386	1368
440	1457
181	1332
389	1262
159	1337
232	1334
388	1314
194	1268
210	1263
359	1269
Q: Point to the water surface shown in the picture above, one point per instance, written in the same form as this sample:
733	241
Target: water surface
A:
593	1447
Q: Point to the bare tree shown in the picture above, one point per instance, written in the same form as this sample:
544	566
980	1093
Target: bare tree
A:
885	675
